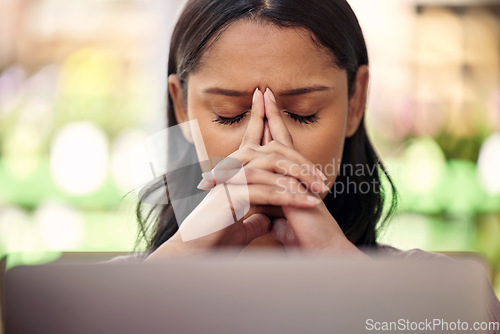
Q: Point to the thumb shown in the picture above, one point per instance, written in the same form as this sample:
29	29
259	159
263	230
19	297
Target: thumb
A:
256	226
282	232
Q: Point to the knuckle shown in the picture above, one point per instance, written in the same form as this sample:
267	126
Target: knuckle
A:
297	186
250	173
250	146
246	152
274	144
244	140
276	157
273	156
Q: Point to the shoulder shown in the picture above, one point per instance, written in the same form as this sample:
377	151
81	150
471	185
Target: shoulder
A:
130	258
412	254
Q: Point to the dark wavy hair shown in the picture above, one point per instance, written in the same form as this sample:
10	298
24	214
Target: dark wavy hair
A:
334	26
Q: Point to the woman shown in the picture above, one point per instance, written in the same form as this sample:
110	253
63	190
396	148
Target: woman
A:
279	87
304	66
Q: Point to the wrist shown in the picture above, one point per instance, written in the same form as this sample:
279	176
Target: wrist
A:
340	245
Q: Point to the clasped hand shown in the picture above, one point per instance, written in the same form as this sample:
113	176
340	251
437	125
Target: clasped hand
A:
272	173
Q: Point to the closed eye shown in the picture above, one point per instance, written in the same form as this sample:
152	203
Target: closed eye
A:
230	120
303	119
235	120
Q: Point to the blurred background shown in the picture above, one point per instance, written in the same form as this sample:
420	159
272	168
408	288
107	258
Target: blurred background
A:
83	81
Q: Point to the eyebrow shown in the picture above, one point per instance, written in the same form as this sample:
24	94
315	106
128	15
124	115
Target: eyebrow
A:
226	92
291	92
305	90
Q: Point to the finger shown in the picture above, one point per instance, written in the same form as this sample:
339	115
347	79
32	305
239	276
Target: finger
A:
266	138
301	168
249	153
279	164
216	177
255	129
277	127
229	163
293	155
251	176
258	194
282	232
256	226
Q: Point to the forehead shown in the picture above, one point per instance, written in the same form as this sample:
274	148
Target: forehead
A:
263	53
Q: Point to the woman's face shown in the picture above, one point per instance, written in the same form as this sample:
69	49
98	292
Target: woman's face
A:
310	90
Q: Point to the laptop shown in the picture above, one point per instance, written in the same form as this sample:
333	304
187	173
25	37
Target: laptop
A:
258	293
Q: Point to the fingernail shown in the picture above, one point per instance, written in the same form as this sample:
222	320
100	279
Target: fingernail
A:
255	95
321	174
204	185
316	172
229	163
271	95
313	200
208	176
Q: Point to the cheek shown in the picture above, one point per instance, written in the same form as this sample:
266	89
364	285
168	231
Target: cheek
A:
320	148
323	146
221	143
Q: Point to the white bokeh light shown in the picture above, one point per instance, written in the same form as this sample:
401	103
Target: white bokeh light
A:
122	161
16	233
489	165
60	227
425	166
79	158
